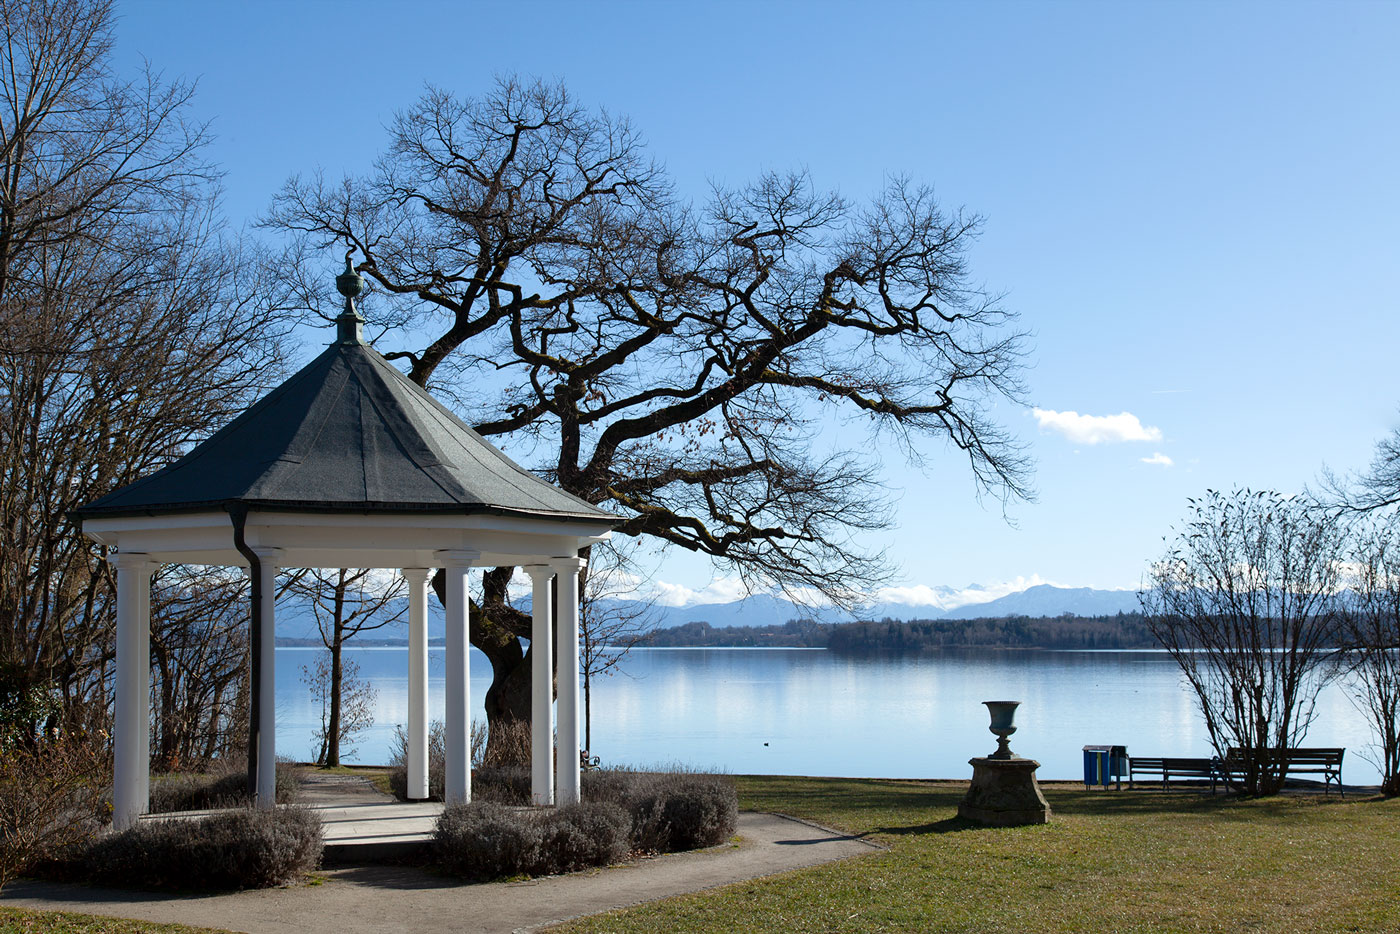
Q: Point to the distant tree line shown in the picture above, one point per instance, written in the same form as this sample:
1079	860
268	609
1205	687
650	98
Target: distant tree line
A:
1122	631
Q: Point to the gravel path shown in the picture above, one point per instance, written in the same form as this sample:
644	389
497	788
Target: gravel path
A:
353	899
397	898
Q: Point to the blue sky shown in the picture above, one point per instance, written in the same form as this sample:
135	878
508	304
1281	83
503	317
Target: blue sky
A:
1193	206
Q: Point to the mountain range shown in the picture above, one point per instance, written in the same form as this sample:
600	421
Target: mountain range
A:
941	602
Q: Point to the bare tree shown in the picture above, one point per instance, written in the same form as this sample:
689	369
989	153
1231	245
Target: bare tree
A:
199	655
128	326
1246	600
346	602
346	703
1371	634
669	362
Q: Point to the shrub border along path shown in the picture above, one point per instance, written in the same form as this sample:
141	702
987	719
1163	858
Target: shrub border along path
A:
389	898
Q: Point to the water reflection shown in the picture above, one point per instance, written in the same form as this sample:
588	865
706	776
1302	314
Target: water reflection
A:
810	712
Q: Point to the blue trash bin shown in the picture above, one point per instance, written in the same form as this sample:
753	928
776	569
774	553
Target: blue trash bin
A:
1103	764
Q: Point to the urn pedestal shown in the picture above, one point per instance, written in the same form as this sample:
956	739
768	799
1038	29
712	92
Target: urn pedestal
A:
1004	793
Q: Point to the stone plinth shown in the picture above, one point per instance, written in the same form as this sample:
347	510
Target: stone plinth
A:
1004	793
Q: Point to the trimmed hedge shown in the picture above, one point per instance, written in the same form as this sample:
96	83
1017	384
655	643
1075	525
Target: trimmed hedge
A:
622	812
244	849
484	840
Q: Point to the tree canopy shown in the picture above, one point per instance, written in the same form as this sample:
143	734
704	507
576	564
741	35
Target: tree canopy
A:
677	363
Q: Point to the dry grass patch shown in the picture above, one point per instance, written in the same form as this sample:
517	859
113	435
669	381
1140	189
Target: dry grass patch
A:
1111	861
23	921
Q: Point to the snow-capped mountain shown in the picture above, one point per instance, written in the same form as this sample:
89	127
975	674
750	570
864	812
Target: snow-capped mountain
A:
1018	598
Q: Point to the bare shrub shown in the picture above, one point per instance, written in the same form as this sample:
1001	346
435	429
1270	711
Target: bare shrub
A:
1371	633
226	785
1246	602
509	744
245	849
52	797
503	784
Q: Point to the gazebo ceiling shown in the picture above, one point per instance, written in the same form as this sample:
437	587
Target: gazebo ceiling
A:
347	442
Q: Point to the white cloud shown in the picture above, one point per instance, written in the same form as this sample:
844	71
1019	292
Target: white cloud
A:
1157	458
1096	429
722	590
950	598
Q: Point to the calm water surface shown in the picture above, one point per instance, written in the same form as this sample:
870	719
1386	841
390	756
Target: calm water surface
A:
811	712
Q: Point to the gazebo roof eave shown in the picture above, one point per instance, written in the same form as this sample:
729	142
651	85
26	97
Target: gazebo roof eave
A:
82	515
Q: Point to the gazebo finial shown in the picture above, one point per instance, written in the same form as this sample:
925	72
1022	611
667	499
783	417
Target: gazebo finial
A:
348	326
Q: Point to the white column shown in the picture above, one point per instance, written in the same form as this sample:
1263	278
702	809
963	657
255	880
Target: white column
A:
566	762
417	682
541	688
143	708
457	718
130	768
267	688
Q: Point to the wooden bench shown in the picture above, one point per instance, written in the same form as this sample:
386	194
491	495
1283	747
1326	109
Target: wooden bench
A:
1174	767
1324	761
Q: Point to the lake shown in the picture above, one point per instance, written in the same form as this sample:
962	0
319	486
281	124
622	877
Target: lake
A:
811	712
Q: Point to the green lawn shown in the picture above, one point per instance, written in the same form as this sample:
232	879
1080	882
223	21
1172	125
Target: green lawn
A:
1109	861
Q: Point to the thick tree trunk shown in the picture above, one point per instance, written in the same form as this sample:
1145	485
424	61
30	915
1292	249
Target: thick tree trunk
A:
497	629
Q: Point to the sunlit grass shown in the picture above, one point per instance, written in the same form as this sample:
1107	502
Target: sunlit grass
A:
1109	861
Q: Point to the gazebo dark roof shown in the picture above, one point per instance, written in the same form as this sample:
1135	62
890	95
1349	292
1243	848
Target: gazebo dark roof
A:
348	433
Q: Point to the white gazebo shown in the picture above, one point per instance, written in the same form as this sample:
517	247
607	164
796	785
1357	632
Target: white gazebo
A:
349	464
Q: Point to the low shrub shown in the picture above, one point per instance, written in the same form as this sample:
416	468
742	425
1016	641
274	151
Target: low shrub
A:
670	811
245	849
595	833
501	784
53	797
226	785
484	840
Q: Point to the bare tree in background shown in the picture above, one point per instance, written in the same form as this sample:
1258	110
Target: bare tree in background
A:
199	655
672	363
1371	633
346	602
615	615
1247	602
129	325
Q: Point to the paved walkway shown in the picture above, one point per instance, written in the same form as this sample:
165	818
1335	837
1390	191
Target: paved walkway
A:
356	899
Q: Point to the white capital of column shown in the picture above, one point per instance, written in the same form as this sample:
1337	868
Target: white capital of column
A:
417	764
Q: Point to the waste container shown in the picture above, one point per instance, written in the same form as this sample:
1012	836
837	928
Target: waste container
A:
1105	763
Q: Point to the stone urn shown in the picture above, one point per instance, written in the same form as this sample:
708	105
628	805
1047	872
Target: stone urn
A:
1003	725
1004	792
